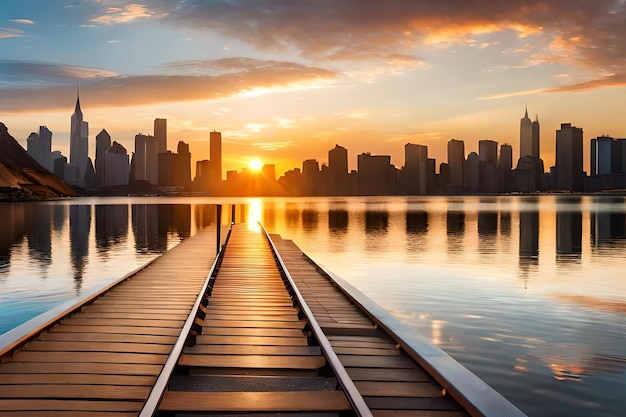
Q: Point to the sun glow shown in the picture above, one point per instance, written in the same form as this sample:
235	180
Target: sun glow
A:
255	165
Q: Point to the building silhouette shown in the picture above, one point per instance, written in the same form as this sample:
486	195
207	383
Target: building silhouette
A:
39	147
338	170
215	157
103	143
116	166
456	162
175	169
569	158
375	174
160	134
79	142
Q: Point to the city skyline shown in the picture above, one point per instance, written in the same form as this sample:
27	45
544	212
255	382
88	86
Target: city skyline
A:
374	77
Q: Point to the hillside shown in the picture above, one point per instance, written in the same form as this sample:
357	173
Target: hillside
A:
22	177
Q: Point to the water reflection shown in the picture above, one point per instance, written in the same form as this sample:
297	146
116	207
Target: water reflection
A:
39	234
608	227
309	220
111	226
338	221
569	233
376	229
80	226
416	222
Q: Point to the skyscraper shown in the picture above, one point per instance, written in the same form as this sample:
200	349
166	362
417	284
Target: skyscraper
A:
456	161
506	157
215	158
116	166
525	136
139	159
569	158
488	151
103	143
45	148
79	141
338	168
160	134
535	138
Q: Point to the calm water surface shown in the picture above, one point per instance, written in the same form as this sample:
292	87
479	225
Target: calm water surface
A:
527	292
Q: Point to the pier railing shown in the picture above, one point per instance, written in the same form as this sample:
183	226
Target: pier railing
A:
352	393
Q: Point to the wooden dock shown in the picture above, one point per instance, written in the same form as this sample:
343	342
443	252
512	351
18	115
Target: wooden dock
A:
104	359
260	330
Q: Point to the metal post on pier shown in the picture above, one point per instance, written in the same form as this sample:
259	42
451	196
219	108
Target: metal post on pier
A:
232	214
218	222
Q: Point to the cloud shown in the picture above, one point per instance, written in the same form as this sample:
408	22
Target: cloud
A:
124	14
22	21
6	33
588	34
614	80
119	90
41	73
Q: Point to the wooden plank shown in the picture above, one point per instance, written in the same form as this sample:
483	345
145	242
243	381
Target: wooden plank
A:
252	350
49	391
298	401
210	322
399	403
417	413
253	361
158	331
377	361
386	374
89	379
231	331
64	414
87	321
65	346
64	405
251	340
76	368
89	357
108	338
397	389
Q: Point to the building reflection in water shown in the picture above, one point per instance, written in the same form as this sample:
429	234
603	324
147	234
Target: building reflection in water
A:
505	223
416	231
145	218
455	229
59	218
569	230
13	232
204	215
180	220
608	228
376	229
487	231
338	222
80	228
39	233
309	220
292	215
111	226
269	214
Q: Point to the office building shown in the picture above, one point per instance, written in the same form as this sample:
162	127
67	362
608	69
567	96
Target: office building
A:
116	166
338	170
160	134
375	174
79	142
569	158
103	143
488	151
139	159
456	161
506	157
215	156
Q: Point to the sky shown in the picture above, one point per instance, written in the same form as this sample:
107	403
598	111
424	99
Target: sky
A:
286	80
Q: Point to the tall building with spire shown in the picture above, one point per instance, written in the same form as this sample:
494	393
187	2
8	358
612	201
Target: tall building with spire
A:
529	136
526	136
79	141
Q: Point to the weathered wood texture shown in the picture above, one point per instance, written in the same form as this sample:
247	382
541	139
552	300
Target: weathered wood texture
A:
104	359
391	383
253	354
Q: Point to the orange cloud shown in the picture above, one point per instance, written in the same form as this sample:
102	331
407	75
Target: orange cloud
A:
126	14
117	90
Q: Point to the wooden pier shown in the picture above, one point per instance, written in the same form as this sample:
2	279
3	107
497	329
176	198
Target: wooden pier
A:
261	330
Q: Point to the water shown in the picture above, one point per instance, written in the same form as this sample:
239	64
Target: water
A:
527	292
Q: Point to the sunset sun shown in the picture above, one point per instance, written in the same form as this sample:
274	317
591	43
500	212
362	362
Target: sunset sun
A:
255	165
